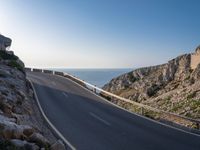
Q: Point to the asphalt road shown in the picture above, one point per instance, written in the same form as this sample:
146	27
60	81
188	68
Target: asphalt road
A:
89	123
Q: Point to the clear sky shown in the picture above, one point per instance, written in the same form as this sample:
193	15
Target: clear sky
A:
100	33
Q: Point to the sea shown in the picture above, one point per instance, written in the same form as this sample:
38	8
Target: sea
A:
98	77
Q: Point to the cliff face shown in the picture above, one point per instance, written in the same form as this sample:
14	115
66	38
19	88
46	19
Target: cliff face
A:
21	126
174	86
4	42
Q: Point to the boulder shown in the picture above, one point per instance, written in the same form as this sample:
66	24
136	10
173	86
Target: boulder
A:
4	73
58	145
4	42
28	131
10	130
38	139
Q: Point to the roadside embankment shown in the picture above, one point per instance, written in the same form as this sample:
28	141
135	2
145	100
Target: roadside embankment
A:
21	124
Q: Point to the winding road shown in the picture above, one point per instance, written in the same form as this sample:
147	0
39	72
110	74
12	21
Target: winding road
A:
90	123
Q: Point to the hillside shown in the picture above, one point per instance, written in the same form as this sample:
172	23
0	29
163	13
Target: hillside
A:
21	124
173	86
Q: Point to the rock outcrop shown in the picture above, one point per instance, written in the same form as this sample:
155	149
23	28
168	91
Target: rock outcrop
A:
174	86
21	124
4	42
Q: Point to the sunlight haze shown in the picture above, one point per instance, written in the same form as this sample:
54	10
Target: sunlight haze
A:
100	34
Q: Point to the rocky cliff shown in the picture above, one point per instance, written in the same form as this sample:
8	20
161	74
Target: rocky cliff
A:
21	125
174	86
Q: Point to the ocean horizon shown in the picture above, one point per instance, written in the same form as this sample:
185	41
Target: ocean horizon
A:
95	76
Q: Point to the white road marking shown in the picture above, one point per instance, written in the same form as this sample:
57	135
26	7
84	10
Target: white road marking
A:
100	119
65	95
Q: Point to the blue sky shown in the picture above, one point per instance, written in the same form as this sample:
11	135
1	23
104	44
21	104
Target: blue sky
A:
100	33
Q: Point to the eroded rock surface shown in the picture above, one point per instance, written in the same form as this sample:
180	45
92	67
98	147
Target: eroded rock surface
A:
21	124
174	86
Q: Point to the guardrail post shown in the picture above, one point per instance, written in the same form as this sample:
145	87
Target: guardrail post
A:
142	110
198	126
28	69
36	70
111	98
95	89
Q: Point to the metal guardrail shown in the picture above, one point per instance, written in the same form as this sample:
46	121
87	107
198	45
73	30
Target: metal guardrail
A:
47	71
36	70
113	98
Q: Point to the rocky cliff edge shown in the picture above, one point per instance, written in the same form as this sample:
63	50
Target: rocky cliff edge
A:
173	87
21	124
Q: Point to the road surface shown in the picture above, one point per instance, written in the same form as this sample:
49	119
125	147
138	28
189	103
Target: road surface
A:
89	123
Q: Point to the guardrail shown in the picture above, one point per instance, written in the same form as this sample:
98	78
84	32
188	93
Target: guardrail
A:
130	105
48	71
36	70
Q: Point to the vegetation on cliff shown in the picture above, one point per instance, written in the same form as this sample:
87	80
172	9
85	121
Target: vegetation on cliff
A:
173	87
21	124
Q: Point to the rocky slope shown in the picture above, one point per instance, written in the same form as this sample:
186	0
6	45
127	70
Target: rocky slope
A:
173	87
21	125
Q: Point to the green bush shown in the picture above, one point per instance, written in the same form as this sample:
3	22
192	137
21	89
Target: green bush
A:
4	55
168	98
13	63
132	78
177	107
7	145
191	95
188	115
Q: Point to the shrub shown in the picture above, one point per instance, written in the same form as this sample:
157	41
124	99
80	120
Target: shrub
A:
187	78
151	91
192	80
168	98
191	95
13	63
4	55
132	78
7	145
176	108
188	115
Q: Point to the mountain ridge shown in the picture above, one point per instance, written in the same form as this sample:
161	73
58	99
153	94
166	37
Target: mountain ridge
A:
173	86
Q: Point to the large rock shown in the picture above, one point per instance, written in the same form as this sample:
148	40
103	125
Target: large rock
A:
10	129
4	42
58	145
39	139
